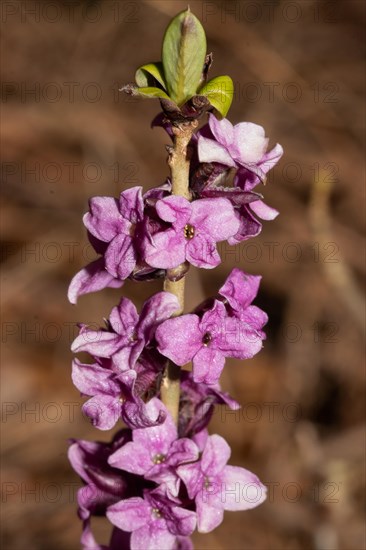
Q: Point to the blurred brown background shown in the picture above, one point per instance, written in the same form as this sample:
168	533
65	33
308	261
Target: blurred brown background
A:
67	134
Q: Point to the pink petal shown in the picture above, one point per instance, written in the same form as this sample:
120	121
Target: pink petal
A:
239	340
254	318
166	477
103	410
96	342
104	220
208	364
250	142
129	514
223	130
213	320
120	257
147	442
271	158
241	489
240	289
76	456
87	539
124	317
249	226
168	249
155	310
181	521
141	462
183	450
211	151
201	437
91	278
93	379
263	211
215	455
157	438
132	205
153	536
201	251
192	477
121	359
180	338
174	209
253	168
216	217
209	516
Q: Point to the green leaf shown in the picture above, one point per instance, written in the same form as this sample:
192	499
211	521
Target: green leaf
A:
151	91
184	52
147	75
219	91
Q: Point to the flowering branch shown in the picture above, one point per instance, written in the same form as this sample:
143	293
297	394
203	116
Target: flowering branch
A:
163	475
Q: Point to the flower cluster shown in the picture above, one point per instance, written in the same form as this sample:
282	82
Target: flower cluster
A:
162	477
157	482
138	236
156	487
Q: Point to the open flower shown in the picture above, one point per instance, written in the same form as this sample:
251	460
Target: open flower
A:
113	397
246	180
156	450
161	477
114	222
129	332
115	231
195	229
209	340
155	521
243	147
217	487
103	484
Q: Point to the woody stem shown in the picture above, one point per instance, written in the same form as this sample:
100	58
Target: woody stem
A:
174	282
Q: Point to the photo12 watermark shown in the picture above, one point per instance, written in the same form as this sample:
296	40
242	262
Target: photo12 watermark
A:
270	11
70	11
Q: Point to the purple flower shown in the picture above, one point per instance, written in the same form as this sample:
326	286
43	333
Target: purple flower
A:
242	146
156	451
217	487
155	521
195	230
129	332
207	341
104	485
113	397
115	229
114	222
247	180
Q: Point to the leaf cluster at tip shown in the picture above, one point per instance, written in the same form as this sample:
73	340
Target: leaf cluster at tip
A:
181	73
